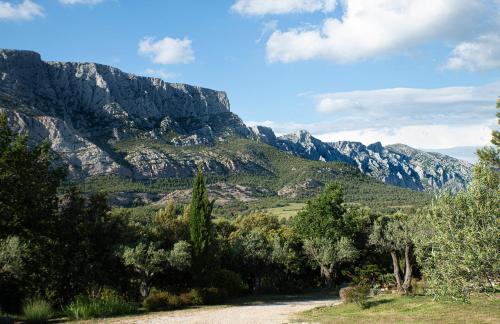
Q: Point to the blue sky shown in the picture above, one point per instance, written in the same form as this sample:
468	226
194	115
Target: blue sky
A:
425	73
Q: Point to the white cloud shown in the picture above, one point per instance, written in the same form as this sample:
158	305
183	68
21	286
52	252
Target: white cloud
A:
480	54
25	10
418	136
376	27
160	73
279	7
423	118
167	50
83	2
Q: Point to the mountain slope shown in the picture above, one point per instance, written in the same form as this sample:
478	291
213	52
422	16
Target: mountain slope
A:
99	120
398	165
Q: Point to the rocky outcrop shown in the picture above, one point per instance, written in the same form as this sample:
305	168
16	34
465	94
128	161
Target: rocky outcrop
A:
398	165
103	102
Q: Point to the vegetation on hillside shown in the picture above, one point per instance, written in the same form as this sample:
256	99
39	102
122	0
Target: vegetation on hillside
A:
274	170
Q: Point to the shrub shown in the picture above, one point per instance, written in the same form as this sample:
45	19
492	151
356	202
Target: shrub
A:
228	280
37	311
162	300
195	297
109	305
357	295
418	286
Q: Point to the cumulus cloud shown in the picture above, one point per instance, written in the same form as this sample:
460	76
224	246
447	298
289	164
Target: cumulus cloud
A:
83	2
480	54
167	50
280	7
425	118
376	27
160	73
25	10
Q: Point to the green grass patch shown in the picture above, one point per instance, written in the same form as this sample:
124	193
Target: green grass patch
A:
288	211
87	308
37	311
404	309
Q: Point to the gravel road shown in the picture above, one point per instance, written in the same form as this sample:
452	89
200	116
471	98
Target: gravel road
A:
266	312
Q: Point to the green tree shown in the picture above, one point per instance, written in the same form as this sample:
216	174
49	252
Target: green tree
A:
392	234
200	225
459	236
28	185
147	261
328	254
11	256
330	230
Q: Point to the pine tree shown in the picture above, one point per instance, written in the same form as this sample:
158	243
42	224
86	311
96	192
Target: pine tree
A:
200	225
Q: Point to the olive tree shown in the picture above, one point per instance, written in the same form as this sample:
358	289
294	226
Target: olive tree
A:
147	261
392	234
329	230
459	238
328	254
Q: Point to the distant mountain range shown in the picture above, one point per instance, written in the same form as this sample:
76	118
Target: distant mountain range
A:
91	112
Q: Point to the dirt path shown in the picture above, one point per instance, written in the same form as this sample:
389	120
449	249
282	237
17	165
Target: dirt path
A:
266	312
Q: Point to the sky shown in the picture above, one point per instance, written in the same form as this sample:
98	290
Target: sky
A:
420	72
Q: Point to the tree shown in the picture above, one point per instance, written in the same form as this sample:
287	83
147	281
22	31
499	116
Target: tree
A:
392	234
11	256
200	225
28	185
328	254
329	230
147	261
82	247
459	236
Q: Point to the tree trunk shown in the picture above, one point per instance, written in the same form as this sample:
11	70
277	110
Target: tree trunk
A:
327	274
408	269
397	272
145	288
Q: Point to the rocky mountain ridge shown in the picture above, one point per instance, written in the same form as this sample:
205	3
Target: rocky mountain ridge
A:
398	164
90	113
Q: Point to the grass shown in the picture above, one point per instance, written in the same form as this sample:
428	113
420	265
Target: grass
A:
87	308
415	309
37	311
288	211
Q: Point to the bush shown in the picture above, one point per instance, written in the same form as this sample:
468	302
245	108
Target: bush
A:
230	281
418	286
357	295
37	311
109	305
195	297
162	300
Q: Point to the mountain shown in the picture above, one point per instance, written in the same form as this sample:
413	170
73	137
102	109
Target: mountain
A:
399	165
108	124
83	108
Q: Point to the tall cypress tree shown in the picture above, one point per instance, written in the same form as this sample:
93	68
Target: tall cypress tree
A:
200	224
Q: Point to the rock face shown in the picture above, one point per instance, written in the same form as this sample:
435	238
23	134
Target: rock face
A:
88	110
398	165
83	108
